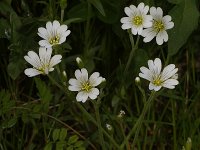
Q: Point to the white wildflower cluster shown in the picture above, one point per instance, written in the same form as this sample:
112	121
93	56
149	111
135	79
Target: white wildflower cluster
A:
53	34
148	26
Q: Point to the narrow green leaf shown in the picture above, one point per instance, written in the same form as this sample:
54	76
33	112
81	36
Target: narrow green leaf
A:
174	1
9	123
185	16
80	11
112	11
98	5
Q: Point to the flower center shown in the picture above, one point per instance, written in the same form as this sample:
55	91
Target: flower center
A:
86	87
137	20
157	82
54	40
44	69
158	25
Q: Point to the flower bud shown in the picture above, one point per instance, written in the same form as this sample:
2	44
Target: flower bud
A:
64	74
63	4
137	80
79	62
188	145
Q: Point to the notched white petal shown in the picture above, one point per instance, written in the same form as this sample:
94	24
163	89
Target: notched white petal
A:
30	72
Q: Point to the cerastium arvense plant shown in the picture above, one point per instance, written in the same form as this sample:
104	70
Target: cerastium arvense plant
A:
84	77
138	22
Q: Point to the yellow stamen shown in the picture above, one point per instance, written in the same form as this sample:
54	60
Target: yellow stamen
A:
54	40
158	25
157	82
86	87
43	68
137	20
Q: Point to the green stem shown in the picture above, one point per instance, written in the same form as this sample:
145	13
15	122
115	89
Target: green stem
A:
56	83
62	15
145	109
138	124
122	129
143	94
85	112
174	123
133	48
96	106
94	121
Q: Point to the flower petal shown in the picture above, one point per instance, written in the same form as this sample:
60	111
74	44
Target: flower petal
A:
82	96
167	18
158	66
56	25
33	59
127	11
45	55
31	72
94	92
42	32
126	26
81	75
169	25
141	7
149	34
95	79
74	88
146	73
170	83
154	87
168	72
56	59
45	43
159	38
74	82
125	20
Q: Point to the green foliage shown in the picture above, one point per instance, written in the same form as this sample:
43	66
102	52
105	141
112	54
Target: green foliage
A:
98	5
6	105
44	94
185	16
61	141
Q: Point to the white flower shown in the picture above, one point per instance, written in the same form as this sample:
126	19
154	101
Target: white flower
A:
108	126
159	27
42	64
166	78
84	86
121	114
53	34
137	18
